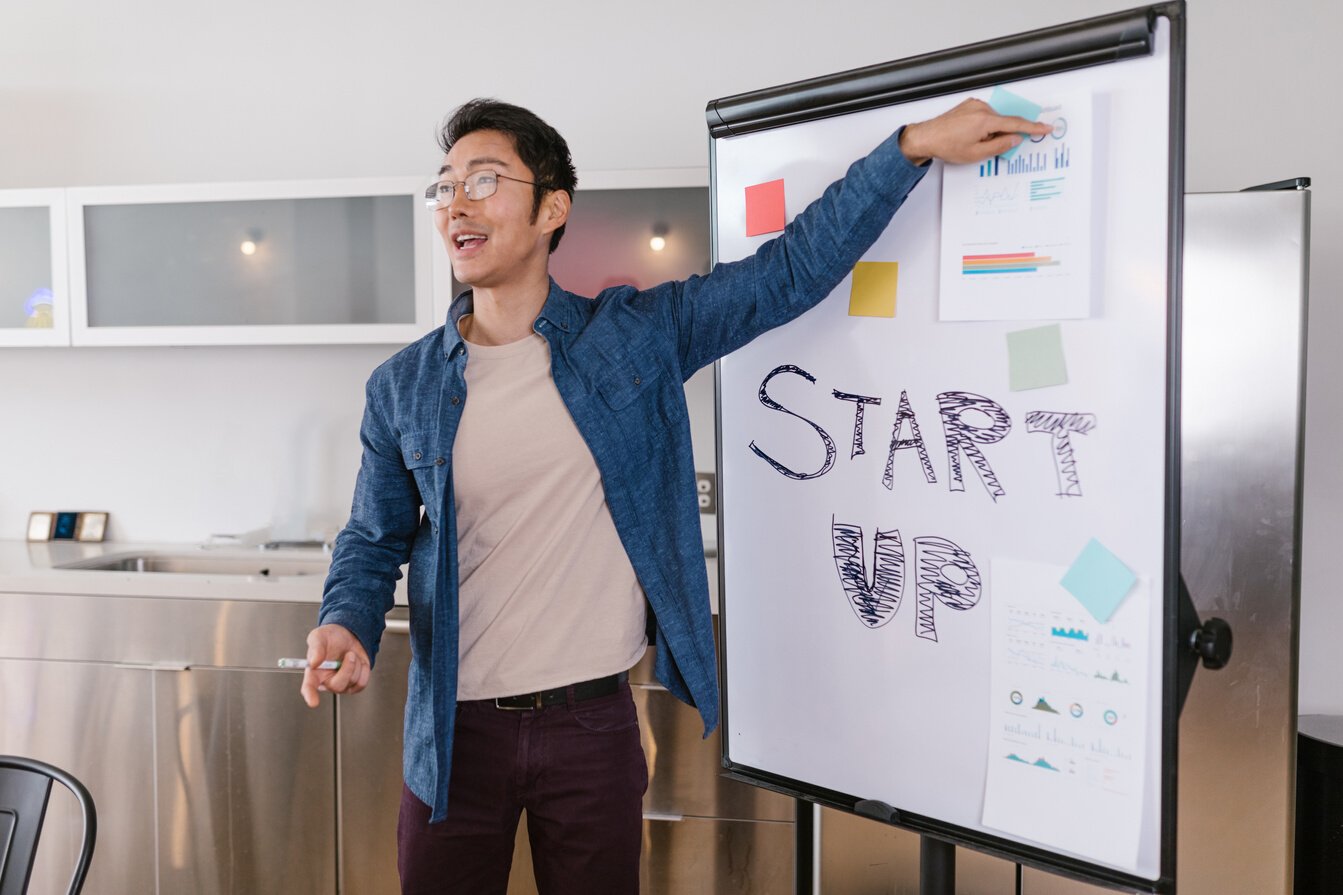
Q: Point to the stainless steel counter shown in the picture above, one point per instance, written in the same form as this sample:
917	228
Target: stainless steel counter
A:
160	692
43	568
208	773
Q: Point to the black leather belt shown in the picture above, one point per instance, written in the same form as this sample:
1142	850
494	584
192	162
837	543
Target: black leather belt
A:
602	686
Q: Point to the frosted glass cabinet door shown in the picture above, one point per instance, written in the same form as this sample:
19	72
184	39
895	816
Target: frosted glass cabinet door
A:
244	264
34	298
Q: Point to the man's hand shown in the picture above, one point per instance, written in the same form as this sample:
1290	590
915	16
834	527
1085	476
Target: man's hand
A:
971	132
334	642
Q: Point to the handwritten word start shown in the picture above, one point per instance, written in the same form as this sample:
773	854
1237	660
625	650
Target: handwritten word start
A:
969	421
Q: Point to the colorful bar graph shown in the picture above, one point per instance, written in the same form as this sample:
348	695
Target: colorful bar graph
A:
1010	262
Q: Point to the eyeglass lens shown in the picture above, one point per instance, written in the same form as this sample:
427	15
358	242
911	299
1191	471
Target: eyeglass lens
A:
479	185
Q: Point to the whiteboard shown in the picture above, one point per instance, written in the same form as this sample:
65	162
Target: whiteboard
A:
840	685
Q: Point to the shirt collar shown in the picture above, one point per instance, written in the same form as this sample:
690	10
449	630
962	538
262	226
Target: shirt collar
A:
561	310
453	343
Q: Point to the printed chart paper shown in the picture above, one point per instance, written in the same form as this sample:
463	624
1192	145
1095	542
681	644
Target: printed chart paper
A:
1067	717
1016	231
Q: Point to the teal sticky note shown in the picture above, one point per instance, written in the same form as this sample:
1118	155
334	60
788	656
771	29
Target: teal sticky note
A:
1099	580
1005	102
1035	358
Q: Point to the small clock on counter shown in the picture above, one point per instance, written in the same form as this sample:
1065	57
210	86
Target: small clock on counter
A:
67	526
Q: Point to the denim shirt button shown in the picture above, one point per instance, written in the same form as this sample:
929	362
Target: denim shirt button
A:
417	455
637	380
440	461
456	400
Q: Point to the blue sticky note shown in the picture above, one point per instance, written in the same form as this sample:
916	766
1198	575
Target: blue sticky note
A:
1099	580
1005	102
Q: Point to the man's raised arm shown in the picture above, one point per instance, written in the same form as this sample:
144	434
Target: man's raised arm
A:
714	315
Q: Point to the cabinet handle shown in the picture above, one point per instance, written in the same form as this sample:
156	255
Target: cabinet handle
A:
398	626
152	666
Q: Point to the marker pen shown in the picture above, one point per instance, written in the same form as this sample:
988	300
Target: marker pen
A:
302	664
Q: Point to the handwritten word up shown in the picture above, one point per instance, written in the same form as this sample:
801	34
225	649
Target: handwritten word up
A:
945	574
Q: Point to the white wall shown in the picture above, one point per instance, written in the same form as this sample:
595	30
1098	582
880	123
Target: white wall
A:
179	443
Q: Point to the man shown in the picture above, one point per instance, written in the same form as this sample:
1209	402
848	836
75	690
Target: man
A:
558	500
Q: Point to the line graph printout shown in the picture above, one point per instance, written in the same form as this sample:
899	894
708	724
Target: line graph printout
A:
1016	231
1067	716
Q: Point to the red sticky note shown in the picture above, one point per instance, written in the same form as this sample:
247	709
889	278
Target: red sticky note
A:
764	208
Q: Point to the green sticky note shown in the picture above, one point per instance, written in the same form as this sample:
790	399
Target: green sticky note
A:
873	291
1005	102
1099	580
1035	358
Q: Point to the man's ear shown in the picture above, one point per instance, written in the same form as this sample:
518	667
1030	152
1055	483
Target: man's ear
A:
555	210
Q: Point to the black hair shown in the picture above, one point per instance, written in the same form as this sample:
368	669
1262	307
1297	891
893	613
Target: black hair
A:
539	145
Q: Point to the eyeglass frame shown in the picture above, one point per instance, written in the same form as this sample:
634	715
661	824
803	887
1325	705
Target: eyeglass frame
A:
433	203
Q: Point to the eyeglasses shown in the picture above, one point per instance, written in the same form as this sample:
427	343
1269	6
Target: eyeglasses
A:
478	185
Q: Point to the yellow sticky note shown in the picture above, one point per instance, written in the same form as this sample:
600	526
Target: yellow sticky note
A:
873	290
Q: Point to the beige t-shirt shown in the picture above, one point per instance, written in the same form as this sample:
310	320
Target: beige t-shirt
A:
547	593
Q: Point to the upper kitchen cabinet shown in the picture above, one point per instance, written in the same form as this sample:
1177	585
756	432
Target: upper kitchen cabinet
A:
310	262
34	290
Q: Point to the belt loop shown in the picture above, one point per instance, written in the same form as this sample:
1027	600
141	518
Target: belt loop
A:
536	703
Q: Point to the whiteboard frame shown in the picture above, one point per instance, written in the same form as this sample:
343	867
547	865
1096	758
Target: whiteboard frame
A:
1066	47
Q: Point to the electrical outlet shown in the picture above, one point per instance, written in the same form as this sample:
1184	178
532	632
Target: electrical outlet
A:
706	487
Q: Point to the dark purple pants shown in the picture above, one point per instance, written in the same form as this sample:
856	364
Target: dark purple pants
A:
578	770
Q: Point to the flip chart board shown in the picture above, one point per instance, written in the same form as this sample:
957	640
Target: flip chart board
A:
948	517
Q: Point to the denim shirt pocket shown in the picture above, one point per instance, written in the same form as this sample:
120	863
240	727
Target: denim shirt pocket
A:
628	373
418	453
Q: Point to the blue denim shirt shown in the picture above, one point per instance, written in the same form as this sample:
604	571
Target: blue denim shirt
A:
619	362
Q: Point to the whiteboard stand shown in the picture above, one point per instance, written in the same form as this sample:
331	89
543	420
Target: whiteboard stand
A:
937	857
804	848
1206	643
947	719
937	867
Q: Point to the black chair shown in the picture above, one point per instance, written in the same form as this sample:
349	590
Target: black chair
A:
25	786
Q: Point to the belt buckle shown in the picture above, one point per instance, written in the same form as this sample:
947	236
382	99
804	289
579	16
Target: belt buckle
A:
536	703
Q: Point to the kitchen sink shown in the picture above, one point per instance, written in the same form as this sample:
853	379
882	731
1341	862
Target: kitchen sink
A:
260	566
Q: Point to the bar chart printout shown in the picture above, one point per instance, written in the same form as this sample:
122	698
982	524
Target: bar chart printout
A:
1016	231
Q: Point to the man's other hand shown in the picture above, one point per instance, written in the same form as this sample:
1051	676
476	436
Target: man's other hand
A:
334	642
970	132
